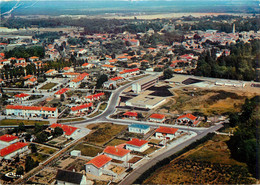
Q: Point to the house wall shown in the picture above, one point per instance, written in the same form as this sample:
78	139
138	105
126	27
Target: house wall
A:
138	130
161	136
136	148
91	169
124	158
157	120
11	155
31	113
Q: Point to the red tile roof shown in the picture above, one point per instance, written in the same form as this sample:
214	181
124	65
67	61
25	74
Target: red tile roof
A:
62	91
189	116
20	107
157	116
85	64
132	114
100	161
8	138
22	95
167	130
129	70
27	77
80	77
109	66
66	68
12	148
68	130
116	78
49	71
116	151
92	97
81	106
137	142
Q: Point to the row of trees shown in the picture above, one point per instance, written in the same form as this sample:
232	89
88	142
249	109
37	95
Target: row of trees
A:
240	65
244	145
23	52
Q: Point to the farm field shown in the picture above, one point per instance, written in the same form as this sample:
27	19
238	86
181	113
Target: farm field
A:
209	163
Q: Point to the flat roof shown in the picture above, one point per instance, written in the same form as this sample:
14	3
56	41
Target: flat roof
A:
143	99
177	79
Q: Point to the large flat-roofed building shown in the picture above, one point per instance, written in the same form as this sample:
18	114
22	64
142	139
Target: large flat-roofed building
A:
146	101
144	84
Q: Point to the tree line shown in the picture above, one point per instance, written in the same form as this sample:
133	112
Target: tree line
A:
240	65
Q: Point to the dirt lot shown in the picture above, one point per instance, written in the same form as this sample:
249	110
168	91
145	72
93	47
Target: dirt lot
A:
209	163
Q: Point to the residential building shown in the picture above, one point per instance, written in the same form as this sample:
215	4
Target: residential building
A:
22	97
94	97
138	128
159	118
129	72
68	131
81	108
60	92
137	145
31	111
7	139
186	118
51	72
131	115
12	150
166	133
108	67
65	177
98	165
117	153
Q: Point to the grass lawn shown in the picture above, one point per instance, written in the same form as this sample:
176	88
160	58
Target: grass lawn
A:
103	132
46	150
116	142
88	150
48	86
209	163
103	106
25	122
95	114
71	120
39	157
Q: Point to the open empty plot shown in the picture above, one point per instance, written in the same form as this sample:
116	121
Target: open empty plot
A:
209	163
103	132
48	86
88	150
116	142
18	121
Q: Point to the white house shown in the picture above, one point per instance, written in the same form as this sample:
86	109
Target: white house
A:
7	139
12	150
60	92
76	153
81	108
138	128
166	133
117	153
31	111
51	72
22	97
137	145
108	67
97	165
68	131
65	177
159	118
129	72
186	118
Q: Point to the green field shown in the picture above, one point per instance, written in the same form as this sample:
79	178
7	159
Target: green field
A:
71	120
88	150
48	86
6	122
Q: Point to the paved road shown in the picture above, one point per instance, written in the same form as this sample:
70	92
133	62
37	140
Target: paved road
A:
130	179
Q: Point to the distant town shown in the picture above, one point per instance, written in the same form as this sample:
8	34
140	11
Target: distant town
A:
86	106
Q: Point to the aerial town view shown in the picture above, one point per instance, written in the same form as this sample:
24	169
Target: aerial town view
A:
129	92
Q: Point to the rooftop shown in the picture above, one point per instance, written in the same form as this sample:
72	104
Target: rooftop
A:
137	142
167	130
68	130
100	160
8	138
140	126
12	148
116	151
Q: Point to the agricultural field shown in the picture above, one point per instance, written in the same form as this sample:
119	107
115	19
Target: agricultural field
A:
208	102
18	121
209	163
103	133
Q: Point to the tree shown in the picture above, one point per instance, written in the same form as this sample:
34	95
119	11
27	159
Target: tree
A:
62	97
19	170
167	73
57	131
33	148
41	137
21	127
30	163
37	128
103	78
